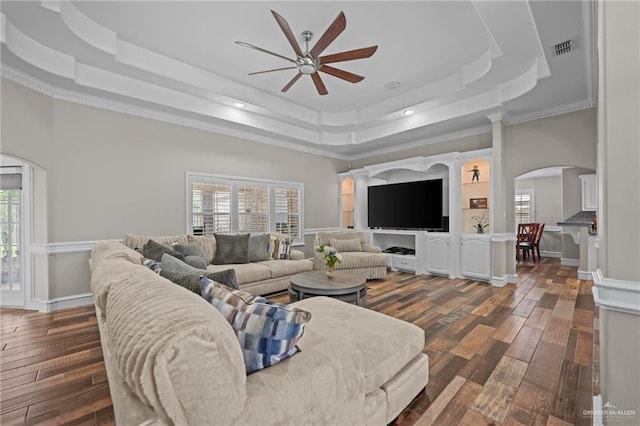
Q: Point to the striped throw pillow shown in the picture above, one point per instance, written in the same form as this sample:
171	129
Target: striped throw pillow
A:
268	332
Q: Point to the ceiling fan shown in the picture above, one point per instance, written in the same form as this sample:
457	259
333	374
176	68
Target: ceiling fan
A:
308	62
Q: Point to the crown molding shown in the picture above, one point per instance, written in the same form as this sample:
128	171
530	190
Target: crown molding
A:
550	112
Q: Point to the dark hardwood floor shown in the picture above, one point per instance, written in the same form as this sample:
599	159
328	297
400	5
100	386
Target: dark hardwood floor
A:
520	355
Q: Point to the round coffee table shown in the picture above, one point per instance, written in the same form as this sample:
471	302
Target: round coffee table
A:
344	286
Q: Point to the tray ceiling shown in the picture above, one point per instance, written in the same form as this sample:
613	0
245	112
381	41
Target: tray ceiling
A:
456	63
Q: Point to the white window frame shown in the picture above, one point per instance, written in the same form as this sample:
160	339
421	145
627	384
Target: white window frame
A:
234	181
532	204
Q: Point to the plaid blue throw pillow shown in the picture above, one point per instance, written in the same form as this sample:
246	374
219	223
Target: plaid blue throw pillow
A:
268	332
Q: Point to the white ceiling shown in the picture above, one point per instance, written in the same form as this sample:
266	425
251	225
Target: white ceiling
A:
457	62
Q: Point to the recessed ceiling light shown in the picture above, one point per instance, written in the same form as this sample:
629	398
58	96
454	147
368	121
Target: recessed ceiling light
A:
239	105
392	85
407	112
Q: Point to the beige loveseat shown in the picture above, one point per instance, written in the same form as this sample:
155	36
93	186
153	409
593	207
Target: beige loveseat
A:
173	359
367	261
261	278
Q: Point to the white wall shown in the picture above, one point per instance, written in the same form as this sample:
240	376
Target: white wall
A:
108	173
619	204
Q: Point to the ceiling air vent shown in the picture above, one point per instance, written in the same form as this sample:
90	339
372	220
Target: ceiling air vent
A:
564	47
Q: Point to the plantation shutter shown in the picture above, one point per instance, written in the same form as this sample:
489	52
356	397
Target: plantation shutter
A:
211	208
523	208
253	208
287	211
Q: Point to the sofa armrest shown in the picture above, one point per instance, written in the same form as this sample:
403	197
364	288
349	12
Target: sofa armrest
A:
369	248
296	255
323	384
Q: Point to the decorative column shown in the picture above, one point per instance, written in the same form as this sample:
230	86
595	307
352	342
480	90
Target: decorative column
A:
502	249
617	280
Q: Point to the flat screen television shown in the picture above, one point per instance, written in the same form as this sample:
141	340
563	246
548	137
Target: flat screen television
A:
408	205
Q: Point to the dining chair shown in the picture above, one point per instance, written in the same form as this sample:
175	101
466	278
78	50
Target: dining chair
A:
527	234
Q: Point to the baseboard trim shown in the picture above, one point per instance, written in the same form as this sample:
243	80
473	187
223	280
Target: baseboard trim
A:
585	275
499	281
569	262
556	254
512	278
75	301
597	411
616	295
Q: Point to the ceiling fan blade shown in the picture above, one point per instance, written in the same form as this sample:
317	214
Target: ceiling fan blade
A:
291	83
345	75
260	49
322	90
350	55
276	69
334	30
286	29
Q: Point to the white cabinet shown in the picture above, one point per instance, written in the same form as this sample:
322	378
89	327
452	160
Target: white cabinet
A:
475	256
589	192
404	263
438	257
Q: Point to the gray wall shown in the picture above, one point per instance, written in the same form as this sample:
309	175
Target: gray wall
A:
108	173
547	208
562	140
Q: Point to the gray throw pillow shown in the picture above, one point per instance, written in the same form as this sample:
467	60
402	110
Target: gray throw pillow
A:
191	249
231	249
196	262
259	248
170	264
192	281
154	250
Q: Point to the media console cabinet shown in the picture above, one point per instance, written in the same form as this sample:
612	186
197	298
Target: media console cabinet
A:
462	252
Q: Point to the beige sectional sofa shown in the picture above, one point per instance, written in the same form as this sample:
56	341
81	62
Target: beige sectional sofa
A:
261	278
173	359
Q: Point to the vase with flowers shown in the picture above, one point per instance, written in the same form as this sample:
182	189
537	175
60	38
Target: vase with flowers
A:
480	223
331	259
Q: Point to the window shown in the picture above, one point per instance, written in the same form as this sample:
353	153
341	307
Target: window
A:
524	206
10	213
236	205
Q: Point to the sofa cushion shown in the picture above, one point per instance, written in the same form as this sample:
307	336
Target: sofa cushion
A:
196	261
245	272
258	247
353	244
137	241
231	249
191	249
192	281
279	247
225	275
281	268
392	345
354	260
154	250
267	331
324	238
208	244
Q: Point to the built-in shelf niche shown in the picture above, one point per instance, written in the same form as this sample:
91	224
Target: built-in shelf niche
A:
475	195
347	192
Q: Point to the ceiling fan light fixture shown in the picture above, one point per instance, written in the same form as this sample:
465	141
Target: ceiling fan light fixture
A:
306	65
